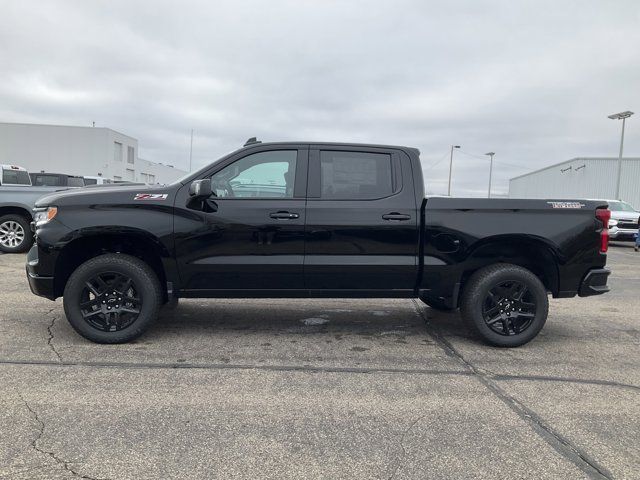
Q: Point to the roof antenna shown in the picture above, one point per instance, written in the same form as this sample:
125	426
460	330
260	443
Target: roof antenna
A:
251	141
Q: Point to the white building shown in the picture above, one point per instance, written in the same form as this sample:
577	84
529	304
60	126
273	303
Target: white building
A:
584	177
91	151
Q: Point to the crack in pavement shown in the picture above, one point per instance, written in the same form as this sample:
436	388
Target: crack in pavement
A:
404	450
545	378
559	443
51	335
312	368
232	366
37	448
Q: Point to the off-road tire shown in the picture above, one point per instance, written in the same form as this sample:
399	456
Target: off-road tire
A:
145	281
476	292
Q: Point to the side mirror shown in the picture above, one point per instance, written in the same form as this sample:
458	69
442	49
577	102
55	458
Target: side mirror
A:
200	189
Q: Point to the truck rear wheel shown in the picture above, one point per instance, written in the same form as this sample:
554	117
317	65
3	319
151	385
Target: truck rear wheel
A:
15	234
112	298
505	304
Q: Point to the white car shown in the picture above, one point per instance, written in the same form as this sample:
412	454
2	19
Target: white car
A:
623	225
90	180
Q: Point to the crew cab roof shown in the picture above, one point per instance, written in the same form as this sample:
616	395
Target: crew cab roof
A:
332	144
6	166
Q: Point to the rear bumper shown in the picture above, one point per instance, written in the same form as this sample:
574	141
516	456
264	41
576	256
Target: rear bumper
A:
595	282
39	285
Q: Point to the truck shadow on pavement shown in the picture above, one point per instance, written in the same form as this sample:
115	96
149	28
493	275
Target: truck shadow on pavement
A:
382	319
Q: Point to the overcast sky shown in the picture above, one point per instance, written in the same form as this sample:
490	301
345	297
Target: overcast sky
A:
533	81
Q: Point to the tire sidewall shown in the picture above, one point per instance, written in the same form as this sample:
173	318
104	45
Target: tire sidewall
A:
480	291
146	285
28	235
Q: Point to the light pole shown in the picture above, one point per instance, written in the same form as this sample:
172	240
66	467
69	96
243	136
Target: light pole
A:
451	168
620	116
491	154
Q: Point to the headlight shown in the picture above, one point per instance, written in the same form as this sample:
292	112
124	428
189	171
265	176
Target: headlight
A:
613	223
44	214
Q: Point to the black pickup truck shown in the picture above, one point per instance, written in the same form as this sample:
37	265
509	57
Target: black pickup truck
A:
312	220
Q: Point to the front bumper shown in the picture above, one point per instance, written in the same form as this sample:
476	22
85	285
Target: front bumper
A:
594	282
39	285
622	234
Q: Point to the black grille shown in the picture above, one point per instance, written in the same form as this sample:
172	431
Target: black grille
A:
627	224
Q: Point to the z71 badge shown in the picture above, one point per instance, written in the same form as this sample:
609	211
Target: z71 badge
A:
150	196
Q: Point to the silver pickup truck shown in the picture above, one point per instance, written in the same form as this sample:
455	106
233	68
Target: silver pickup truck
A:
16	213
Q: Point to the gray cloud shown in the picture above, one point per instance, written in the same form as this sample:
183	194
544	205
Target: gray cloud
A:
531	80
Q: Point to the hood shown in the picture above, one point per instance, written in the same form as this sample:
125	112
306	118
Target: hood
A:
31	188
113	193
620	215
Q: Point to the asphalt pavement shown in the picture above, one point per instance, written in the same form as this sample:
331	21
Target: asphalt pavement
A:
321	389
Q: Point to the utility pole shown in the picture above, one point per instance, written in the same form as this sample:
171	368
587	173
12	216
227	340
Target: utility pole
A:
451	168
620	116
491	154
191	150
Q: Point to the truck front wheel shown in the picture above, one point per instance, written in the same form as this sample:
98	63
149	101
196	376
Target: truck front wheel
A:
112	298
505	304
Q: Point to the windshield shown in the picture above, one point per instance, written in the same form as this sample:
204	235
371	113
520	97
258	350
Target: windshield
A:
206	167
15	177
620	207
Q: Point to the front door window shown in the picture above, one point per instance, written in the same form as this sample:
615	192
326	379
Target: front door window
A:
260	175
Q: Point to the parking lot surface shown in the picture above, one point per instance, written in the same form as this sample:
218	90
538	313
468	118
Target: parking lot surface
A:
321	389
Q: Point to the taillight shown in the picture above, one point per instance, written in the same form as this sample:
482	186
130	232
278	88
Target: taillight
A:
604	215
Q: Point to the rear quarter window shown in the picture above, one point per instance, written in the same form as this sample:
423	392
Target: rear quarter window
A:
76	182
15	177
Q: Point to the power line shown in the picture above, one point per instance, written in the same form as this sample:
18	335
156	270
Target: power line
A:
437	161
511	165
472	155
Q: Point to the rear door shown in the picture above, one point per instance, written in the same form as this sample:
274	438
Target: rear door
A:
362	227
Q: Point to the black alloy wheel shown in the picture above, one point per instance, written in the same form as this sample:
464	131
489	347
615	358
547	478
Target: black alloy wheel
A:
112	298
505	304
509	308
110	301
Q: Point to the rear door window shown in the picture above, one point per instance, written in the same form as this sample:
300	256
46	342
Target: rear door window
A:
75	182
356	175
47	181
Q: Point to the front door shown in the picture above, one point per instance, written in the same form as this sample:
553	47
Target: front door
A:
250	234
362	225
